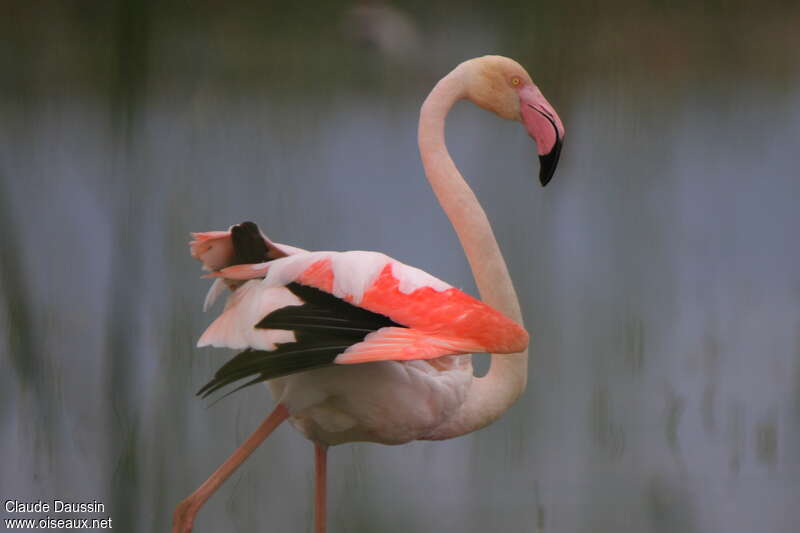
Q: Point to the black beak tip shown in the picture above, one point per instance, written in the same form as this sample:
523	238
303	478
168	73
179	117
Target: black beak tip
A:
548	164
545	176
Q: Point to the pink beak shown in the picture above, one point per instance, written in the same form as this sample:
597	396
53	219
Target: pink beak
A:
544	126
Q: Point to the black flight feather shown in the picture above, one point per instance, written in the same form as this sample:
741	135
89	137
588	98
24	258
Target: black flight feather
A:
248	244
324	326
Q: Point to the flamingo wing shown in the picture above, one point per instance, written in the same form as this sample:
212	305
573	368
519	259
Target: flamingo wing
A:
314	309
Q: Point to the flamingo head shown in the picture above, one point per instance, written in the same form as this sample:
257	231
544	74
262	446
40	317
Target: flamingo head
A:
500	85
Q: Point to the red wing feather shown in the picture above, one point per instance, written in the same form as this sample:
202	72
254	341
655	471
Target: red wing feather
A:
403	344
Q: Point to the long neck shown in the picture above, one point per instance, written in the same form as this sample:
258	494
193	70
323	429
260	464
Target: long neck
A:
492	394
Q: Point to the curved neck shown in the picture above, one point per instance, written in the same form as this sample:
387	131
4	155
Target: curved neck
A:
492	394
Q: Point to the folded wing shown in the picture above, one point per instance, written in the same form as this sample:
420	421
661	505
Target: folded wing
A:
312	309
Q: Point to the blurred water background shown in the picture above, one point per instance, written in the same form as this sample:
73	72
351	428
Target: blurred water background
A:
659	273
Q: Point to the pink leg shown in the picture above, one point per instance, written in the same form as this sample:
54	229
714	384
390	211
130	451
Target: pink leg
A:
183	518
321	467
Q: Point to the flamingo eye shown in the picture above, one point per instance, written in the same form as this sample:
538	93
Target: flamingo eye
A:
515	81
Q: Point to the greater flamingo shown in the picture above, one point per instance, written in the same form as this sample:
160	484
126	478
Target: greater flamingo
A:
360	347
